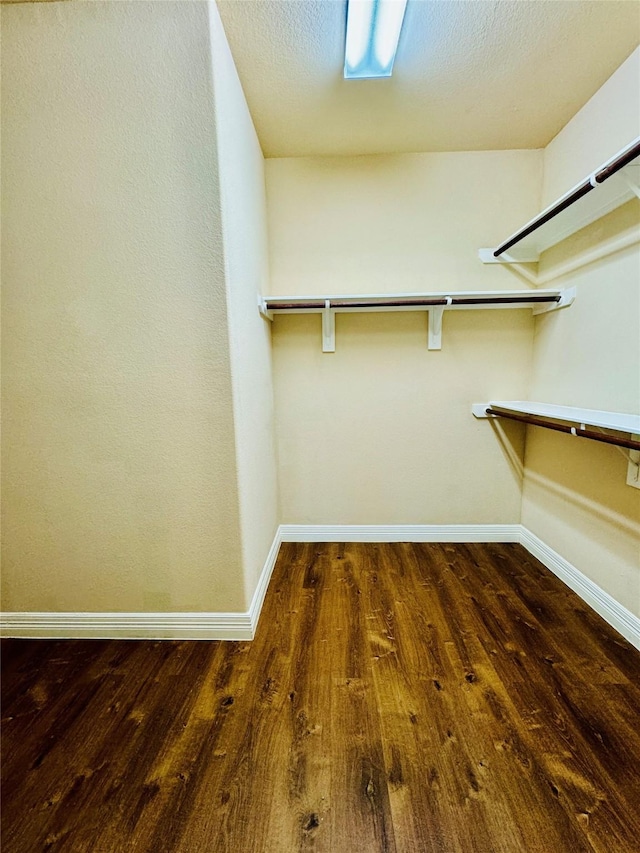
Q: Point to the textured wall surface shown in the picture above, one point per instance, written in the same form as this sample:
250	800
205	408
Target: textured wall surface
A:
409	222
381	431
119	467
606	123
243	206
575	497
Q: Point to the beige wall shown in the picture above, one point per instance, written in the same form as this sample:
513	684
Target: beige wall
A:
606	123
120	488
381	432
243	205
575	497
389	223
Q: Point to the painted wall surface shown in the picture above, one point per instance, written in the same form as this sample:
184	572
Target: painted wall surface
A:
606	123
381	431
118	442
575	497
243	207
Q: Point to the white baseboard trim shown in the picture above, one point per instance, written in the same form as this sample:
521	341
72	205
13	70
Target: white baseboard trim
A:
400	532
604	604
263	582
128	626
145	626
242	626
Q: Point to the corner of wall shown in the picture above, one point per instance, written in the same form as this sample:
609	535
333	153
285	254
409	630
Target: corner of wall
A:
604	125
575	497
244	234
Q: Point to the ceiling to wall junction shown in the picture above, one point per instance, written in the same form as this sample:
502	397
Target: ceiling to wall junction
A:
469	75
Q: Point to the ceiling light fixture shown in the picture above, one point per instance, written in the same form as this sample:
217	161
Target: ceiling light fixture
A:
373	31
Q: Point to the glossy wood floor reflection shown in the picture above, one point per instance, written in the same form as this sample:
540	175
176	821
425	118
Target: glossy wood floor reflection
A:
396	698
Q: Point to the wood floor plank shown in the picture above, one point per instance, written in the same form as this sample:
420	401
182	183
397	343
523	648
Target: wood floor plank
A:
361	816
418	698
485	790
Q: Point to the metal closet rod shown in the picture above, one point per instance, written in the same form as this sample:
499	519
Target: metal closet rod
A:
580	191
279	305
578	431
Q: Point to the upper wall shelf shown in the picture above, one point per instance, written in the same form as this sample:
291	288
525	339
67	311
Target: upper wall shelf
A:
585	417
576	422
434	303
612	185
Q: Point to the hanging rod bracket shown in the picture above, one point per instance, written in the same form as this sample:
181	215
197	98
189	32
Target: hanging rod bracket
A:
567	297
262	308
479	410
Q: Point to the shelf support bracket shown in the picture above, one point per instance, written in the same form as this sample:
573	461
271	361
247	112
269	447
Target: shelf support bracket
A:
435	326
633	469
328	328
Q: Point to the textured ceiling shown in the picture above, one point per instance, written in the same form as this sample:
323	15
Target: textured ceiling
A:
469	74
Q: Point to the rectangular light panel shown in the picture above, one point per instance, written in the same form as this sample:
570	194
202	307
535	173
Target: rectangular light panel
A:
373	31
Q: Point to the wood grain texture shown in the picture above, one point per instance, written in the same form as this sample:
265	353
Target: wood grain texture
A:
397	697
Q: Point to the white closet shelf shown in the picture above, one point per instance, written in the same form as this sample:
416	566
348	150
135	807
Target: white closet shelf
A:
612	185
435	304
585	417
582	423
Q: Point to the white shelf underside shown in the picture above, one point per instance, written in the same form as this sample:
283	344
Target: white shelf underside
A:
606	198
612	193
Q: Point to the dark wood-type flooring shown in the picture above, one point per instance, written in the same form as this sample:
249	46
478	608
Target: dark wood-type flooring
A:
397	697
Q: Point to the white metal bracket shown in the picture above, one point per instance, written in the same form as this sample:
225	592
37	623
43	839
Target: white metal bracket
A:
479	410
262	308
328	328
435	324
567	297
